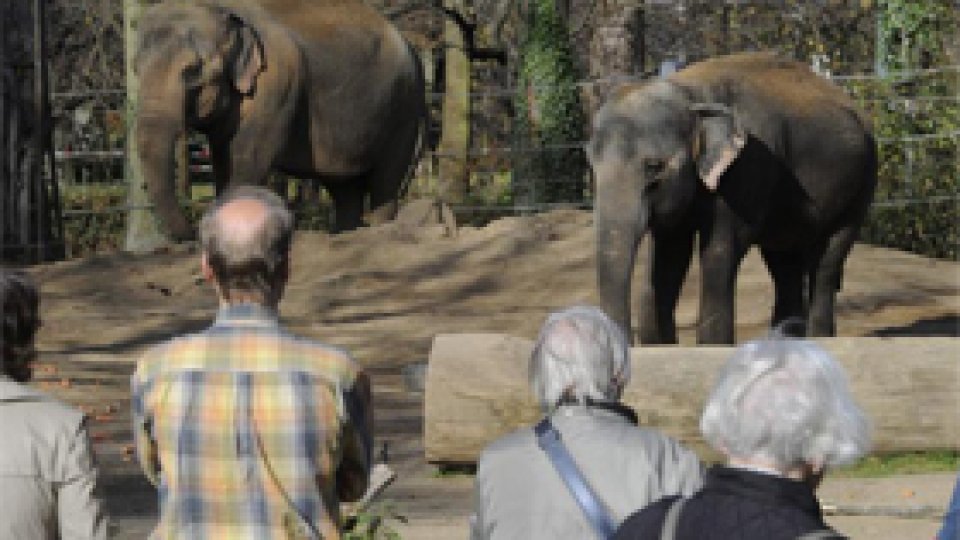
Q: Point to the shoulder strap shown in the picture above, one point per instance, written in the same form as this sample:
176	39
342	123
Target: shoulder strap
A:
549	441
824	534
669	531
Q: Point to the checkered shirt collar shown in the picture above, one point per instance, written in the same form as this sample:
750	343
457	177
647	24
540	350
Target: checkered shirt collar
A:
247	314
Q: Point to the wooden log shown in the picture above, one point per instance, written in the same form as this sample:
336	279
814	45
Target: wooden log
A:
477	391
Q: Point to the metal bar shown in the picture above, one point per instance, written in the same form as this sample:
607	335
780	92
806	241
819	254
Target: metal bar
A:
66	155
88	93
6	178
39	124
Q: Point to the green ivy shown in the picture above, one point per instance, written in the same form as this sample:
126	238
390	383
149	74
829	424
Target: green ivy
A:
549	112
916	206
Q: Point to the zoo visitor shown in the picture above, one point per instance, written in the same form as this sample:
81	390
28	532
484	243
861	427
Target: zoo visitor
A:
782	413
48	477
250	431
530	483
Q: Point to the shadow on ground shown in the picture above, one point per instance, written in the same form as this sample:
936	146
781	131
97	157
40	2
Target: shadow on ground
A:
944	326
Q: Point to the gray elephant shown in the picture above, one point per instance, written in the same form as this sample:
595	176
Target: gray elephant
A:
322	90
738	150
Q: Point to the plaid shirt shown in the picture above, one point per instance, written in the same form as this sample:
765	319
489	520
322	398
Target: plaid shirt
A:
249	432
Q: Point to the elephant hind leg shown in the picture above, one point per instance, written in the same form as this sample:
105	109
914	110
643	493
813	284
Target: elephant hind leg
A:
386	182
788	272
348	197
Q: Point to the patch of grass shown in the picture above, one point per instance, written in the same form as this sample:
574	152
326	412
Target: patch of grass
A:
903	463
454	471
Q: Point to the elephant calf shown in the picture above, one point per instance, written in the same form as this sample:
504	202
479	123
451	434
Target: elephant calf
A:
737	150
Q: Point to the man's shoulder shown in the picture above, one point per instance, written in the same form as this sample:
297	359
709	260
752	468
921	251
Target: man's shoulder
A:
213	350
519	441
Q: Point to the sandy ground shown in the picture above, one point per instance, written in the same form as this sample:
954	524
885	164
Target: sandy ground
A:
384	292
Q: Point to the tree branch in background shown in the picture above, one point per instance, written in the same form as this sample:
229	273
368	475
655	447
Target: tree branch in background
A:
467	27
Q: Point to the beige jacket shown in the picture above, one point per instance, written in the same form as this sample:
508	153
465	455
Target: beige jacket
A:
47	473
519	494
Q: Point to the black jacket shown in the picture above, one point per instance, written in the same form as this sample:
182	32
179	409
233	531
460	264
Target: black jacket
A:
734	505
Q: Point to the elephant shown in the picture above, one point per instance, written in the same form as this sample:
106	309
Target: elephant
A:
735	151
324	90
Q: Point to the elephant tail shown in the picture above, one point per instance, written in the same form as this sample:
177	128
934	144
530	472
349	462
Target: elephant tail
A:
422	125
418	151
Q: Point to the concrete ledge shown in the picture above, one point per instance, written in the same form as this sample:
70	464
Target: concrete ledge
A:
476	391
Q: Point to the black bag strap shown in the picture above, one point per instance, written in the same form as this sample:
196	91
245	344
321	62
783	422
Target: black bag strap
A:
669	530
548	438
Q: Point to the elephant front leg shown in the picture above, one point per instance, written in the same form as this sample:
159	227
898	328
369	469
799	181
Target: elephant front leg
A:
720	256
825	280
787	270
670	255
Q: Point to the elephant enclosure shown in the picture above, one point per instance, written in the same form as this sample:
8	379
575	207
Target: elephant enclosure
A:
383	293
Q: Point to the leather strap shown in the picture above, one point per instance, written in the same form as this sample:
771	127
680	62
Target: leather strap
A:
548	438
669	531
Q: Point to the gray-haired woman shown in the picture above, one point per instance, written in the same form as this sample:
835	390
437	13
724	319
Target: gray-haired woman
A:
47	474
578	369
782	414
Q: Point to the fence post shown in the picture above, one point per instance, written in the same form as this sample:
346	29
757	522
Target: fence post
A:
455	128
143	230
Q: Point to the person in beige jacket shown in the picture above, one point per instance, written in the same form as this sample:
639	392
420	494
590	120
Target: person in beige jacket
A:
578	370
47	473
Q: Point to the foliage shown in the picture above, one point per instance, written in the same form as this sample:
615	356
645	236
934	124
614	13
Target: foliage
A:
916	206
370	524
95	218
549	114
903	463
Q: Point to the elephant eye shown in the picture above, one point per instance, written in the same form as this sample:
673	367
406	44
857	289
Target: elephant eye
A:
654	166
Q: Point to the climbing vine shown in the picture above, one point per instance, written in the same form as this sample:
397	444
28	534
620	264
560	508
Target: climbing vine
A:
916	111
549	112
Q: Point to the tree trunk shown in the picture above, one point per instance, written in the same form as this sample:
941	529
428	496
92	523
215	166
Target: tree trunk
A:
455	137
143	230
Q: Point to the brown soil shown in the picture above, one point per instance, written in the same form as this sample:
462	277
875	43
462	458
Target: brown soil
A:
383	293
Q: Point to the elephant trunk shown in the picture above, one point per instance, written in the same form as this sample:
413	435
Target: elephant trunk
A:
160	122
616	253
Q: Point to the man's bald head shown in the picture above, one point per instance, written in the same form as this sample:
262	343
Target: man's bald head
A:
245	236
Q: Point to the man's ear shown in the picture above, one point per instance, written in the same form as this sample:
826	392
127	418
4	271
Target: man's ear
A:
205	268
718	139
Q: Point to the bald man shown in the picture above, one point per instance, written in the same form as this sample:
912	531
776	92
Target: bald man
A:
248	431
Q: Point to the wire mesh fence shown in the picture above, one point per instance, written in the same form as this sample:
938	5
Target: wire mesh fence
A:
917	112
90	163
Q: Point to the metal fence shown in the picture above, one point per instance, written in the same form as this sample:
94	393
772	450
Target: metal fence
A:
88	101
90	157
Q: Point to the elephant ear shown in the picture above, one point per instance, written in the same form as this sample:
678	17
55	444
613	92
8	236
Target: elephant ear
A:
718	140
247	60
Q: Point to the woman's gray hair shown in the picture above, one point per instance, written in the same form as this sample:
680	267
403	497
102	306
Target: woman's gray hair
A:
786	402
580	353
248	264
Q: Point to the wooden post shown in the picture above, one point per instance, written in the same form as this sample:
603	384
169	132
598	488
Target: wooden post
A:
455	134
182	157
143	229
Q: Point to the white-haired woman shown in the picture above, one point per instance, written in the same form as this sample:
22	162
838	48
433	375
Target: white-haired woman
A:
578	369
782	414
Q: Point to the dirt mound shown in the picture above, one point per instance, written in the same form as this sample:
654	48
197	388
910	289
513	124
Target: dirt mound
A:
384	291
